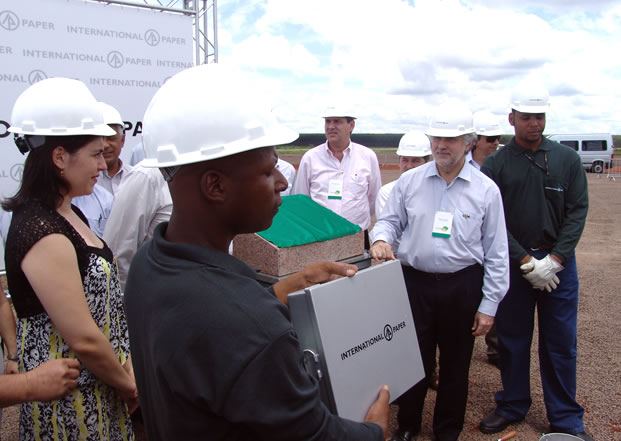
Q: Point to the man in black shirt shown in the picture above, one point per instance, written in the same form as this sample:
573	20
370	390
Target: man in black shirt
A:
545	196
215	354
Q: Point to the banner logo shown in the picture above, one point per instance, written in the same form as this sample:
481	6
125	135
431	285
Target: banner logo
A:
9	20
16	172
152	37
36	75
115	59
388	332
5	131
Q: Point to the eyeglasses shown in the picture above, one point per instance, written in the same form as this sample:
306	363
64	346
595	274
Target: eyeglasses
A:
492	138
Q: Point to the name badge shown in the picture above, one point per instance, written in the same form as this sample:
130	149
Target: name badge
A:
335	189
442	224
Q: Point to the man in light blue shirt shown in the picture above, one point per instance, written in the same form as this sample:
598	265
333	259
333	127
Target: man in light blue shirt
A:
96	208
455	261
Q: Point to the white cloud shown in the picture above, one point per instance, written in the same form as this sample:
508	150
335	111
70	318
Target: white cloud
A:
395	61
273	52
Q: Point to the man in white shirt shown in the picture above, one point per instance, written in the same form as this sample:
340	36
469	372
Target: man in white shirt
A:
98	205
142	202
414	150
455	261
288	171
111	178
339	174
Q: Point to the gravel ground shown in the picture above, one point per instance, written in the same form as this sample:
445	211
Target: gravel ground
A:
599	319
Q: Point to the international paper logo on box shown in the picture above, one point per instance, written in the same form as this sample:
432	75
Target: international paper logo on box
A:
358	334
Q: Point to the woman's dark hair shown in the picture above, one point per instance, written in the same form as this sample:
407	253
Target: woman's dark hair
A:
41	178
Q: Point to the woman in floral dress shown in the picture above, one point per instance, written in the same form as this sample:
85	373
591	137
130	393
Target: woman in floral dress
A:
62	277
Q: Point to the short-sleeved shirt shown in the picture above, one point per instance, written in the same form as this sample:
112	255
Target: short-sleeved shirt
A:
215	354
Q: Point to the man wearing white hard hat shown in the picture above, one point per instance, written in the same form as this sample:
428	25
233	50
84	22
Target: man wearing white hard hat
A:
454	257
117	169
488	131
339	174
413	151
98	205
216	357
545	196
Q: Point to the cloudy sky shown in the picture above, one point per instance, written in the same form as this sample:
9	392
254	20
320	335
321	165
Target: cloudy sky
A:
393	60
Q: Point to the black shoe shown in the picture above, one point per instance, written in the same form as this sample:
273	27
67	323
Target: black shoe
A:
494	423
404	434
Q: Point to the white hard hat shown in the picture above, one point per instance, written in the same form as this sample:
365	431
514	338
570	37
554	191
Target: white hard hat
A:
207	112
530	97
451	120
486	124
58	107
414	143
338	112
110	114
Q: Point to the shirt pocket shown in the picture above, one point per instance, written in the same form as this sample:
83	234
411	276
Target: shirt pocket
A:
467	225
554	192
358	184
553	189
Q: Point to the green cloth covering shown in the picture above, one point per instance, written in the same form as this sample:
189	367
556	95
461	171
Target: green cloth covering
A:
300	220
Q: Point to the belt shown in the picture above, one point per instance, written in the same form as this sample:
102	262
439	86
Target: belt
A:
442	276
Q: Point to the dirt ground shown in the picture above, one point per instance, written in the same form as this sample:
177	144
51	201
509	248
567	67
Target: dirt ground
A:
599	347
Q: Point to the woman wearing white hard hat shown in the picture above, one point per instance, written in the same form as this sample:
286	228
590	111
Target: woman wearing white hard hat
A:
62	277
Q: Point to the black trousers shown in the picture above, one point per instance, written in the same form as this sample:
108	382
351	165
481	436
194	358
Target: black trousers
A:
443	307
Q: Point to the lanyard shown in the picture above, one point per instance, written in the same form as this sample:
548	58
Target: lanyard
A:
543	168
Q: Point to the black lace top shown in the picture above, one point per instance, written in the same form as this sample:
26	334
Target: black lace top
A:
30	224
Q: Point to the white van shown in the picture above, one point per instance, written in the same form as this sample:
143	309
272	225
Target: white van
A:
595	149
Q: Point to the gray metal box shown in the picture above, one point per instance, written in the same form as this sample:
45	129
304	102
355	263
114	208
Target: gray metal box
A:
358	334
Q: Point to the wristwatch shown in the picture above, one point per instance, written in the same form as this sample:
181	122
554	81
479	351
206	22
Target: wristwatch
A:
12	357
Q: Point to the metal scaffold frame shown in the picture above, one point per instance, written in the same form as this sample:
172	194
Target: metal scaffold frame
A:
205	16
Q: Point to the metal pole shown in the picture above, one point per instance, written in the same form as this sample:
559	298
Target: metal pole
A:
215	31
140	5
197	33
206	31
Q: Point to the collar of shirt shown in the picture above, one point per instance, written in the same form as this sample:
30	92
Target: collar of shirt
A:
517	150
168	252
465	173
122	169
346	152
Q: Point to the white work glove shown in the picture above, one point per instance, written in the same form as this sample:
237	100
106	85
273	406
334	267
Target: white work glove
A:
542	273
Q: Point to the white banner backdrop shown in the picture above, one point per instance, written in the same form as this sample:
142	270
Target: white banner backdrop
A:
123	55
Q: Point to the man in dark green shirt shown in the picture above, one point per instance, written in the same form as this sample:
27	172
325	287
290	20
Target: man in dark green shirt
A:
544	191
